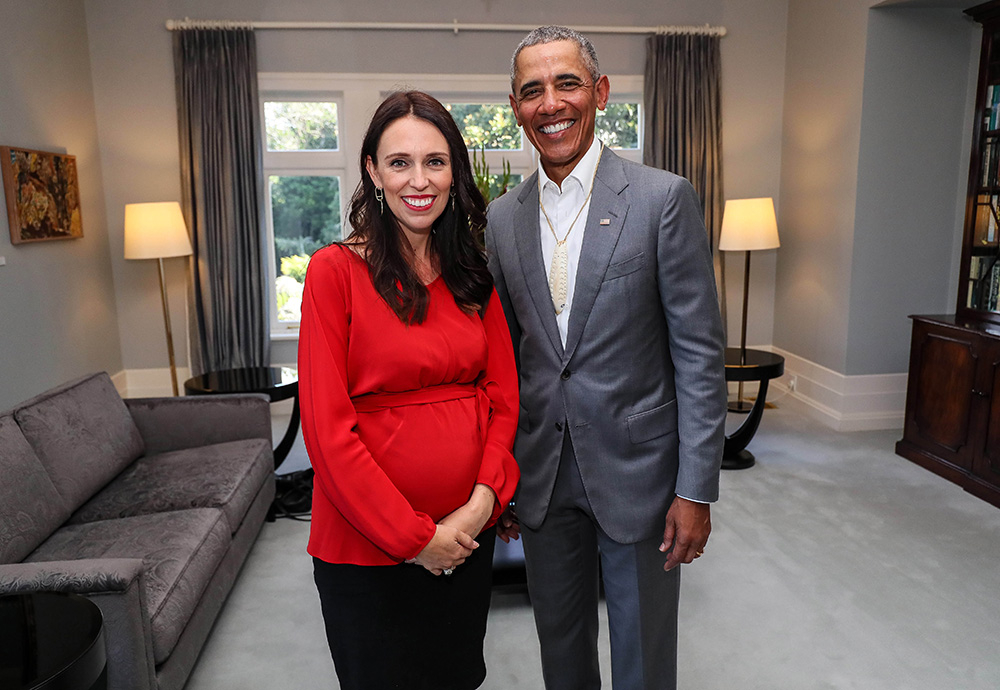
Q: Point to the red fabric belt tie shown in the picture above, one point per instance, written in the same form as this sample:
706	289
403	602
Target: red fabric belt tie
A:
373	402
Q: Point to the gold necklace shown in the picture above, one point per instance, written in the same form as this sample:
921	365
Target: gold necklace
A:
559	271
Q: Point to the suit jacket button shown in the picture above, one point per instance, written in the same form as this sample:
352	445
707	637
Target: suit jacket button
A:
558	426
565	375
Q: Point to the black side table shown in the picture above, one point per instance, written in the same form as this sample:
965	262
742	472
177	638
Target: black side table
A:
277	383
758	366
53	641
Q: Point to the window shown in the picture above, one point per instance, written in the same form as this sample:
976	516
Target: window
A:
303	167
305	215
313	125
300	126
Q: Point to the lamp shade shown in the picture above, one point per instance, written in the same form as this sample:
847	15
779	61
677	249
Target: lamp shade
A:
748	225
155	231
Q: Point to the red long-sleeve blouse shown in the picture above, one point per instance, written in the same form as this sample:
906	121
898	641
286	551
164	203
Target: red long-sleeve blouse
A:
400	421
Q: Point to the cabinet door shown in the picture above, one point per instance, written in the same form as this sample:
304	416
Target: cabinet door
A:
987	462
940	405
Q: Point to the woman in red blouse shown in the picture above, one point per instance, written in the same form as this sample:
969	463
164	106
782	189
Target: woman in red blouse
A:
408	393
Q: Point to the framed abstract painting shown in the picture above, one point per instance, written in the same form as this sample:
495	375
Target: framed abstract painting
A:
43	195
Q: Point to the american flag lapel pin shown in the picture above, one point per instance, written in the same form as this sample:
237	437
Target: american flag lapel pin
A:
605	221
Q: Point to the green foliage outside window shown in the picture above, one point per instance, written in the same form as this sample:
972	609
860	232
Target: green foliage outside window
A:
618	125
305	215
488	126
301	126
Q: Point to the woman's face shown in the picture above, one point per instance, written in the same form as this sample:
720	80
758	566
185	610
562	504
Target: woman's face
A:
413	166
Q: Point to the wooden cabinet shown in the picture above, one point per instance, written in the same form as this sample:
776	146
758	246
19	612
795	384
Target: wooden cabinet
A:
952	424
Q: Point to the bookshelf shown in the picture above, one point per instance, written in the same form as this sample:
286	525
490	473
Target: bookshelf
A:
979	296
952	422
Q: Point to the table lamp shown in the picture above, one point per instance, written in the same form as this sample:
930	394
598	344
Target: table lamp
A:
747	225
157	231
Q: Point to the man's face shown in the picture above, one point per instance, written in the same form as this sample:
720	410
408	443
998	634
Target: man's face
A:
555	101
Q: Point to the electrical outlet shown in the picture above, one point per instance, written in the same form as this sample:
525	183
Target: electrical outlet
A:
793	383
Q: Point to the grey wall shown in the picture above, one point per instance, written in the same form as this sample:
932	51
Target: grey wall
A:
57	299
912	172
872	179
824	71
133	88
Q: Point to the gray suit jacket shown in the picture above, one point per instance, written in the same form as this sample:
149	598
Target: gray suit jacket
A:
640	384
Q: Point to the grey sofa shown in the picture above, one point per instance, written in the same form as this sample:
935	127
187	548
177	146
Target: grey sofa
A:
149	507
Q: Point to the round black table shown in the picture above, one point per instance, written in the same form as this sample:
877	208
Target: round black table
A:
277	383
293	494
51	641
757	365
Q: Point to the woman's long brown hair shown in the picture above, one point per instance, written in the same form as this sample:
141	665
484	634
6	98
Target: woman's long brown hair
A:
456	237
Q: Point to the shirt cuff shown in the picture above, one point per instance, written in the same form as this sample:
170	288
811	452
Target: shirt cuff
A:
695	500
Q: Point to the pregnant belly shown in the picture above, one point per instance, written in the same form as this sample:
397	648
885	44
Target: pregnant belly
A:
430	452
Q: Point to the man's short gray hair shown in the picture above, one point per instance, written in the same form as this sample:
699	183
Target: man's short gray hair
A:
548	34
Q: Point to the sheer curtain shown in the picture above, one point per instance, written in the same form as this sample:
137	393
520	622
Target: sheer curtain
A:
218	119
683	132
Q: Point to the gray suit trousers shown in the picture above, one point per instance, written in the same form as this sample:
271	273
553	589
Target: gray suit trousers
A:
562	558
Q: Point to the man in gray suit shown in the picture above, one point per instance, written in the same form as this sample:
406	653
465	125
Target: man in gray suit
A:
605	274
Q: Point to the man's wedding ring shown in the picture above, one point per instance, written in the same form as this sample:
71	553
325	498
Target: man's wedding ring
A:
448	571
698	553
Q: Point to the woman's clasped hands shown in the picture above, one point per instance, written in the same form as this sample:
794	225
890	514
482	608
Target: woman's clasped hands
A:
447	549
452	543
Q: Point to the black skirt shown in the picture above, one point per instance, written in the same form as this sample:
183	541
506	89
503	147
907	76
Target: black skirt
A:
400	627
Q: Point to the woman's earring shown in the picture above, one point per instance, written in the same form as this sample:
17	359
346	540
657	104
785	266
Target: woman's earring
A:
453	198
380	196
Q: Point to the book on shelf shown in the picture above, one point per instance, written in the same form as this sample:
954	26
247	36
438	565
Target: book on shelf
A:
991	301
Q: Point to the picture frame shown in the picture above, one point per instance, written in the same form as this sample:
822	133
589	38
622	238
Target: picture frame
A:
42	193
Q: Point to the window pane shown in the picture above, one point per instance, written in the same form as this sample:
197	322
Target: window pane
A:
300	126
618	125
487	125
305	215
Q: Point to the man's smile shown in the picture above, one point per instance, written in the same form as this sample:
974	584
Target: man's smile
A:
556	127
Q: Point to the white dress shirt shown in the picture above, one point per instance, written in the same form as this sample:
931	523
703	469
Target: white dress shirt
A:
562	205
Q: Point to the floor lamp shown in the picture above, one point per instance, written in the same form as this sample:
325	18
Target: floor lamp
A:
157	231
747	225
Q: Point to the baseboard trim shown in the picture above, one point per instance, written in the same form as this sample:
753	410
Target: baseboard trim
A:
844	403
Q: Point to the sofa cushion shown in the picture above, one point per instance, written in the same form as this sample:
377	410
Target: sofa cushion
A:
30	507
180	550
222	475
82	433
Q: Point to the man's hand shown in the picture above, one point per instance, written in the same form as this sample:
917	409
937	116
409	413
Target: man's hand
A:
508	526
685	534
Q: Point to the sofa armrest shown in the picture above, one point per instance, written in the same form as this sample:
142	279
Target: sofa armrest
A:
84	576
117	586
175	423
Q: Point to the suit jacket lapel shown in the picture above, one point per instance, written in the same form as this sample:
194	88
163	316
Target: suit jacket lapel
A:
529	249
599	243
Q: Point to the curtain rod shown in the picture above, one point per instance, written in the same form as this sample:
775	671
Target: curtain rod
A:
455	26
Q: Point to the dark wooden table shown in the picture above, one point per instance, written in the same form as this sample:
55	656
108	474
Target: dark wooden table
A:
761	366
53	641
277	383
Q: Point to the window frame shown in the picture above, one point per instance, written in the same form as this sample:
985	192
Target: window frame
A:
357	96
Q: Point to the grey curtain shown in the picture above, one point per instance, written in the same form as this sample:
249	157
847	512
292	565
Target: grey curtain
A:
683	132
218	119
